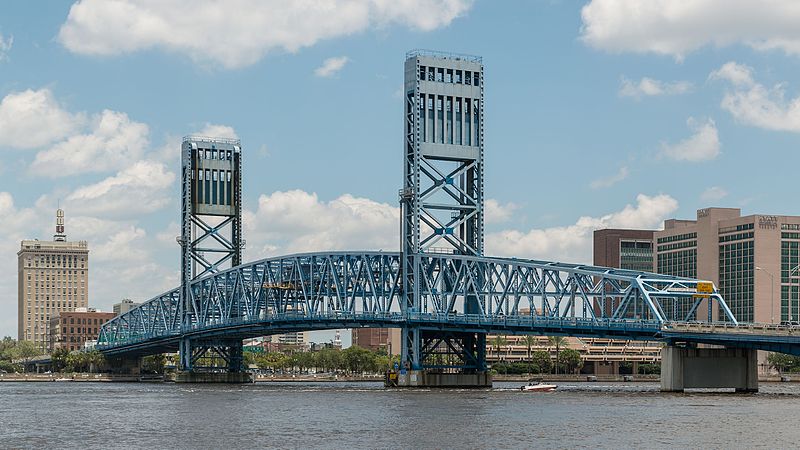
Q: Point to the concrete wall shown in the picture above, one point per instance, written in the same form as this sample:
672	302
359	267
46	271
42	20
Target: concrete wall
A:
420	378
688	368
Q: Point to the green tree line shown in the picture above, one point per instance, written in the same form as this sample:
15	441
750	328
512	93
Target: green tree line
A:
12	350
353	360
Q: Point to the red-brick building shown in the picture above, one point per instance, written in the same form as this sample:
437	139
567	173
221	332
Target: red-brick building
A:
71	329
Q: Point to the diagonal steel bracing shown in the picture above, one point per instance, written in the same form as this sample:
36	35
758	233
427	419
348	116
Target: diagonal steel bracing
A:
343	289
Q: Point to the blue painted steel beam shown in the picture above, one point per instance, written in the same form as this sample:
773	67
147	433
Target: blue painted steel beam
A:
319	291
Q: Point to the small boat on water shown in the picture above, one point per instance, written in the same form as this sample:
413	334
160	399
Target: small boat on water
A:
538	387
64	379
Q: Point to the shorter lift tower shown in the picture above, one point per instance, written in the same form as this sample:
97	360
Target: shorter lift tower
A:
442	206
211	239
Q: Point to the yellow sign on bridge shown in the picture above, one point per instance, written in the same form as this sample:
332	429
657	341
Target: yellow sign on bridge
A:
704	289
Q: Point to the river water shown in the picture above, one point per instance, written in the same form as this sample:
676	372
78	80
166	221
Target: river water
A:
364	415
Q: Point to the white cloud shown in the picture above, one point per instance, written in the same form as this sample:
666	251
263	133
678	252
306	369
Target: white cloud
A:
738	74
124	260
573	243
331	66
222	32
218	131
496	212
713	194
678	27
17	224
142	188
754	104
703	145
297	221
648	87
5	47
113	142
611	180
31	119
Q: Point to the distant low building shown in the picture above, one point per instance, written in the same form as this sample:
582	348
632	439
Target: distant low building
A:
72	329
124	306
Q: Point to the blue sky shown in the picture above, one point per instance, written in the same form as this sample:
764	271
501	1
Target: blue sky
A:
598	113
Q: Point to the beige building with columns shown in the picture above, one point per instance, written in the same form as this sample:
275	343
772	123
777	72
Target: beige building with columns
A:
53	277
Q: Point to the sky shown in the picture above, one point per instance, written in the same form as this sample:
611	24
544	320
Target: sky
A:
601	113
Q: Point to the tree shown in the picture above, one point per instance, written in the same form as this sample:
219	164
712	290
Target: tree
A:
358	360
649	369
76	362
304	360
6	344
59	359
154	363
558	341
541	359
570	360
783	362
25	351
499	341
529	341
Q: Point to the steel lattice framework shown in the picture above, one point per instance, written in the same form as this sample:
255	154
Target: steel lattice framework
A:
338	290
442	198
440	290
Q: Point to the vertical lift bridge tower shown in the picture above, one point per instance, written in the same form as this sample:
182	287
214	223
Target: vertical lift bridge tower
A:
211	240
442	206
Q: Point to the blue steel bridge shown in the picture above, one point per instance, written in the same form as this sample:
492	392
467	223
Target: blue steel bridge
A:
440	289
320	291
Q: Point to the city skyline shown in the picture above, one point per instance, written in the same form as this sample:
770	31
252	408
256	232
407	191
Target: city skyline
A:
92	119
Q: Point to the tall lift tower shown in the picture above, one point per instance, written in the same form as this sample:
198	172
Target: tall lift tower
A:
442	197
211	235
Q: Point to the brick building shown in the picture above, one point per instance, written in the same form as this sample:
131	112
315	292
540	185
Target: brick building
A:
71	329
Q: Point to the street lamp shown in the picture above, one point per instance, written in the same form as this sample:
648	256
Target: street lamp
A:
771	294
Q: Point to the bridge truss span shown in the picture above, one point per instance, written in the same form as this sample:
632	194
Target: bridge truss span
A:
365	289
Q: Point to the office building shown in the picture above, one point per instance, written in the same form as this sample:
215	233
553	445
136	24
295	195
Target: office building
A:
124	306
599	356
72	329
753	260
298	338
621	249
375	339
624	249
53	277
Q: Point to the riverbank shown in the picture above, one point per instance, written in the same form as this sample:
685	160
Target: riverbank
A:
106	378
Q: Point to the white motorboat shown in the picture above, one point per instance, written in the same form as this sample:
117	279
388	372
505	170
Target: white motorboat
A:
538	387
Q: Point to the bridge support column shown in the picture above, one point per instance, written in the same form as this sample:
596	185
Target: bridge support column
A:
443	359
218	361
125	365
687	368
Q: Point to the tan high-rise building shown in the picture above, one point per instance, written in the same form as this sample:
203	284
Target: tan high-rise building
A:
754	260
53	277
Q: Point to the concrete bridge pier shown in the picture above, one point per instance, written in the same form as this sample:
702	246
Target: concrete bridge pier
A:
687	368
